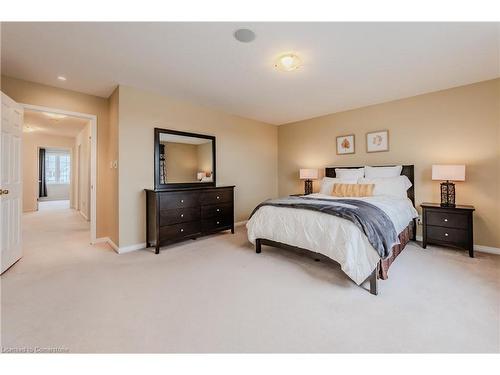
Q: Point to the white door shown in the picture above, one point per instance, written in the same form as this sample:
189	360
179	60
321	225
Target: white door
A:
11	128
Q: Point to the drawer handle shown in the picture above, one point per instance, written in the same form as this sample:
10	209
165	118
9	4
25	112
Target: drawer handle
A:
182	230
182	200
445	219
182	215
218	197
446	234
218	210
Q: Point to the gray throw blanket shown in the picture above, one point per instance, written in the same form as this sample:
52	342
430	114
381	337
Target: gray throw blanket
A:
370	219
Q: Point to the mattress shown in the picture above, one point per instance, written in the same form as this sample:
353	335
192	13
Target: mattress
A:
334	237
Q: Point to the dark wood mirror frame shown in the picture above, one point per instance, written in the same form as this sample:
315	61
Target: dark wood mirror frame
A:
168	186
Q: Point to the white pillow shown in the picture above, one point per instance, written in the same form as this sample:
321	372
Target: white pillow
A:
327	185
352	174
328	182
389	186
378	172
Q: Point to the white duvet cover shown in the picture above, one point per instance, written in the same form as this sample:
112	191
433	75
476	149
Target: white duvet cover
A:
337	238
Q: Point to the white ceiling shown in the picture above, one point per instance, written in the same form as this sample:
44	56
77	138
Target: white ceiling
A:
39	122
346	65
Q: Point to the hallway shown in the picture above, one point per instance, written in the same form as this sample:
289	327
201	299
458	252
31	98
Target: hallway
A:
36	291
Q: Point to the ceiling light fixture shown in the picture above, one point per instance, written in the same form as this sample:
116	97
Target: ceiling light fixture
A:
61	78
244	35
287	62
55	116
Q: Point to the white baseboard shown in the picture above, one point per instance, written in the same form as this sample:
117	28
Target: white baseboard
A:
128	249
240	223
480	248
487	249
120	250
109	241
83	215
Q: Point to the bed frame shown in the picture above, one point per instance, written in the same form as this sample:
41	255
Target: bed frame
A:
408	171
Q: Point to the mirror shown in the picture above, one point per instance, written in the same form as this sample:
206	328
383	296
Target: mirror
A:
183	159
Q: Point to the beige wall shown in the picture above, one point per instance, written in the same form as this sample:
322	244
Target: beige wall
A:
42	95
459	125
246	154
182	162
205	157
81	187
31	144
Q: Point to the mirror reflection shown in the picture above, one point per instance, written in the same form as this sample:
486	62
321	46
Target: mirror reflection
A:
185	159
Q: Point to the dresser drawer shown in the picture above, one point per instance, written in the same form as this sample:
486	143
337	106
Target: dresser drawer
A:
179	200
172	232
447	219
179	215
217	210
217	196
215	223
450	235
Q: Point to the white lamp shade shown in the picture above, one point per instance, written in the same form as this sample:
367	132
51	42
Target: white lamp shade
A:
308	174
448	172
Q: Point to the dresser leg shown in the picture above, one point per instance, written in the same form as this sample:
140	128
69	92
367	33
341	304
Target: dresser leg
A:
157	249
232	229
257	246
471	252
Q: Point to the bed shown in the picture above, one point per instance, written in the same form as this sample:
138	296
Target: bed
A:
327	237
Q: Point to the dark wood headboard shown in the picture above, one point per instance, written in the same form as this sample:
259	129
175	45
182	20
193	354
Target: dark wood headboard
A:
408	171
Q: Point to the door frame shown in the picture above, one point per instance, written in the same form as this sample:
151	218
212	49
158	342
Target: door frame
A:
93	158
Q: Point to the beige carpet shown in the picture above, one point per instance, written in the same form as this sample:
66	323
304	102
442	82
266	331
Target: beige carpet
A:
217	295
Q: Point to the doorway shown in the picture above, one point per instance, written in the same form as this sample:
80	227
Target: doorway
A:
66	173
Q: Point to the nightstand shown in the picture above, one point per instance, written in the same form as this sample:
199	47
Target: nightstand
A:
448	226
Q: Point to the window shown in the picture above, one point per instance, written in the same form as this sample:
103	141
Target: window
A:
57	167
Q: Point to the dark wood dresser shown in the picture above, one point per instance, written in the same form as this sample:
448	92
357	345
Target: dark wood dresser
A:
186	213
448	226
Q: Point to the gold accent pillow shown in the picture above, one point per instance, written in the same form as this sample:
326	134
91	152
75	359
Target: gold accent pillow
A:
353	190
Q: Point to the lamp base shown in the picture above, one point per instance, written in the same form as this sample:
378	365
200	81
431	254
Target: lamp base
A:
447	194
308	187
448	205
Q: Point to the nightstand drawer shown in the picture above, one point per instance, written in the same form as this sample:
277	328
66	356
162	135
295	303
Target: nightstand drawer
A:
447	219
450	235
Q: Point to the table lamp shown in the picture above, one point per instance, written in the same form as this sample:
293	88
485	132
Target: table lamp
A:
200	175
308	175
448	173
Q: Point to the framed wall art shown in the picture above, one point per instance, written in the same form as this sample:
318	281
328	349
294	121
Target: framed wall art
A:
345	144
377	141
